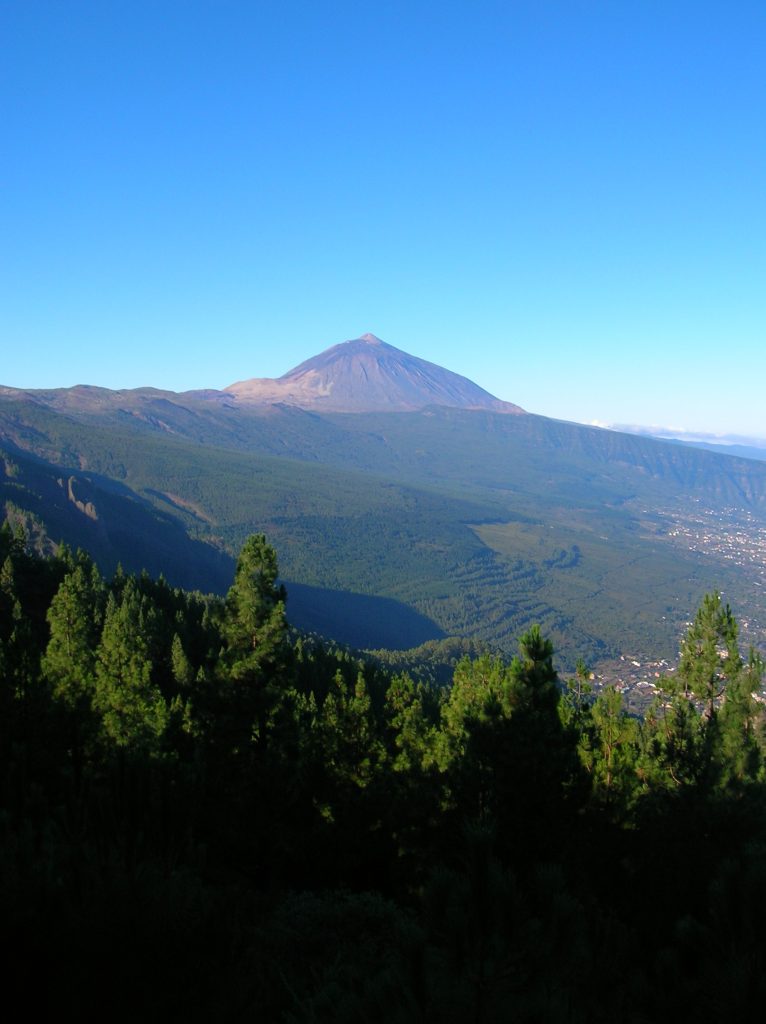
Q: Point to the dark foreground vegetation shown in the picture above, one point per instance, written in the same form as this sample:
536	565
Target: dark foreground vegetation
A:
204	816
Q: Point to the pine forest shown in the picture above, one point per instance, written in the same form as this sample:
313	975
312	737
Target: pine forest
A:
206	815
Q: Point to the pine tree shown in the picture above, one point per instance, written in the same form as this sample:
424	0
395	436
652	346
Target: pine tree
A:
411	734
672	742
740	719
75	618
17	641
615	750
713	673
709	653
254	625
133	711
183	670
253	662
506	756
352	750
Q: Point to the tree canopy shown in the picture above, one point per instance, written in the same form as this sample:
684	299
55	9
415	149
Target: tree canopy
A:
261	823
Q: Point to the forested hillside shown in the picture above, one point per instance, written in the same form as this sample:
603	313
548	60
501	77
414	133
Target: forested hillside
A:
394	529
206	815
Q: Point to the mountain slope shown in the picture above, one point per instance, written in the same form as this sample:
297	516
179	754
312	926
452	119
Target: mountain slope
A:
367	375
113	522
402	525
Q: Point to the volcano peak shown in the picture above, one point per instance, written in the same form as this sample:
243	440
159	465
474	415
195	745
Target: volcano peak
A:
366	374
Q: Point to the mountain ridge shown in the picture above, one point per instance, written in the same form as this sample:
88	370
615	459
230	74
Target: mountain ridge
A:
479	522
362	375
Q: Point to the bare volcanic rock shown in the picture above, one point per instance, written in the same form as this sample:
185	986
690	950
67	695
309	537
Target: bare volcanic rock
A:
367	375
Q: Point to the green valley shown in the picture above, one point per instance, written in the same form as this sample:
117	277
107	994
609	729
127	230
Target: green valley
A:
462	522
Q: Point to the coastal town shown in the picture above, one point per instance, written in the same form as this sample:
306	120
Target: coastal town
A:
731	534
737	536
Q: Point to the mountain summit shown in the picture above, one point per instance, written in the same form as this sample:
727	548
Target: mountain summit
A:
368	375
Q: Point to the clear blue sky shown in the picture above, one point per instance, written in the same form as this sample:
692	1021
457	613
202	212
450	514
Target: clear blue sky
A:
564	201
